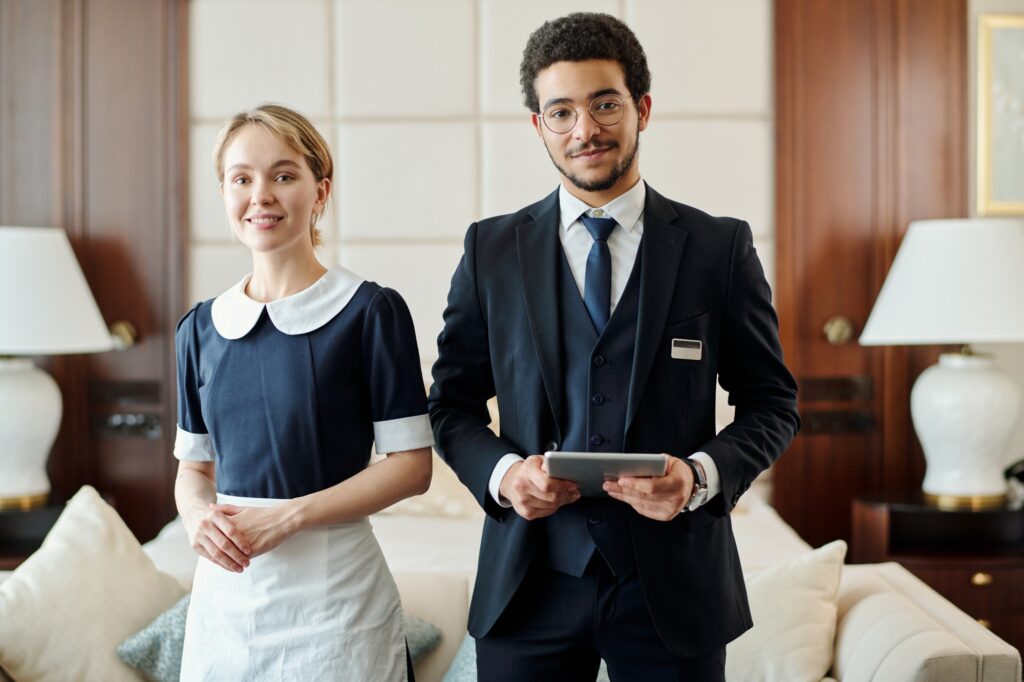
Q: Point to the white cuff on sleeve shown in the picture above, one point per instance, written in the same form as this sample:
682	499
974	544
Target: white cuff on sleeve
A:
193	447
500	469
711	472
407	433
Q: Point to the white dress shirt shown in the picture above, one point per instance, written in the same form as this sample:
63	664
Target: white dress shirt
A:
623	243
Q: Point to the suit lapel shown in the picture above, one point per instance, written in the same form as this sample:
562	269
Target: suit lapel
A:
539	250
661	251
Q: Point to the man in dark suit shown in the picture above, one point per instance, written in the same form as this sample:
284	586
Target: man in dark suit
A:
601	317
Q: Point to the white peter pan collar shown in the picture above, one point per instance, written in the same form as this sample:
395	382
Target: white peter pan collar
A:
235	314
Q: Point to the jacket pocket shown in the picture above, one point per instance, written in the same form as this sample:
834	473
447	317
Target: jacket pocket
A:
689	358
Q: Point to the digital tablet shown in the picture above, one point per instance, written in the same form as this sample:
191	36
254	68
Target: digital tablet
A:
589	470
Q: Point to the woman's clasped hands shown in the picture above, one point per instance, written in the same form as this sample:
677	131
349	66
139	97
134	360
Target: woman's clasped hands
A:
231	536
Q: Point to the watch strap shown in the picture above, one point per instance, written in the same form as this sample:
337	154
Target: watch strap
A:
700	483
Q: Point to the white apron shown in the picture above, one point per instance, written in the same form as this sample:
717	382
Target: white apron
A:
320	606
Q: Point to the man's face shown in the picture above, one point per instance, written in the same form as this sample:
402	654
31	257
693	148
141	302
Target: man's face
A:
593	157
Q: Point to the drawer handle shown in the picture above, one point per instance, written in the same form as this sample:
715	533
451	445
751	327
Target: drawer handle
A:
985	624
981	579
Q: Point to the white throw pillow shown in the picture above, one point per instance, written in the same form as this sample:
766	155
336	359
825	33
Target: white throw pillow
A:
67	607
794	610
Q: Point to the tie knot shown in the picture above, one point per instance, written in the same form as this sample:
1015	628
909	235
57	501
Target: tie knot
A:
599	228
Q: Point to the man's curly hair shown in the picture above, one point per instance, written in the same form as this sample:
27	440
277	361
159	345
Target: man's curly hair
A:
577	37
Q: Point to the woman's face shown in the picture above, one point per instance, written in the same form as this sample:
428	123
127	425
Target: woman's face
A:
270	193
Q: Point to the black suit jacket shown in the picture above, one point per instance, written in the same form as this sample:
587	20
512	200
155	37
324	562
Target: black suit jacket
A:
701	279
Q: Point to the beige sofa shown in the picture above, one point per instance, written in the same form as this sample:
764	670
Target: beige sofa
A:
880	623
891	627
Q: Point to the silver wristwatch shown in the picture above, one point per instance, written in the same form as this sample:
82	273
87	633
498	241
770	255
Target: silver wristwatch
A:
700	484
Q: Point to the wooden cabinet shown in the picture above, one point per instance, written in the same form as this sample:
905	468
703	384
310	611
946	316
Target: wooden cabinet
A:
974	559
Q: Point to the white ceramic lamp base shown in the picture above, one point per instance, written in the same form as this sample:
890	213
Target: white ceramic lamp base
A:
30	412
964	411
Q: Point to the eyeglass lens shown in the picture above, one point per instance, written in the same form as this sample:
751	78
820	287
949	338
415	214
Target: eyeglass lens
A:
606	111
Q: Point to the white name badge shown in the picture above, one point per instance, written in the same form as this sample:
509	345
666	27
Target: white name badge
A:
686	349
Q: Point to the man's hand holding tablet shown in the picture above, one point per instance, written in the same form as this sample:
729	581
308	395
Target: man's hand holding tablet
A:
589	470
533	493
661	498
657	486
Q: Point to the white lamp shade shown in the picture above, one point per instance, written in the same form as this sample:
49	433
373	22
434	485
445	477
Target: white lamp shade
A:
953	281
46	306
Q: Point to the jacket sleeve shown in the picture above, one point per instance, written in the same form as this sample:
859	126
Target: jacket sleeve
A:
751	370
463	383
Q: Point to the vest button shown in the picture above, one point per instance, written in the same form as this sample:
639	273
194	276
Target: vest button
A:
594	520
550	446
596	439
598	399
598	360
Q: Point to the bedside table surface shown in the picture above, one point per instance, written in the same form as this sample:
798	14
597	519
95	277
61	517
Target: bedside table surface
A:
916	526
23	531
915	501
973	558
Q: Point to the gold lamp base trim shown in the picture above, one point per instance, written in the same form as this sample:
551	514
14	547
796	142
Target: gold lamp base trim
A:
965	502
23	502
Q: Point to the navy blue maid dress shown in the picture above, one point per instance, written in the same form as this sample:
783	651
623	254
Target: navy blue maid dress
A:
287	399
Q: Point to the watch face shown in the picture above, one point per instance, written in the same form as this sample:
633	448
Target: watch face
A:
697	499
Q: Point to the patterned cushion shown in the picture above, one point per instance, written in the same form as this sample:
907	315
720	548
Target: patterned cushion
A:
156	649
463	667
421	636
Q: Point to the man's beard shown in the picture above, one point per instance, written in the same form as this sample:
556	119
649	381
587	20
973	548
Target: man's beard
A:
606	182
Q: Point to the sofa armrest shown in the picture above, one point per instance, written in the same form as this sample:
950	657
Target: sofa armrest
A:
892	626
440	598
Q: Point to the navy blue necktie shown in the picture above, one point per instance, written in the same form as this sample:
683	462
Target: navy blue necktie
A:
597	287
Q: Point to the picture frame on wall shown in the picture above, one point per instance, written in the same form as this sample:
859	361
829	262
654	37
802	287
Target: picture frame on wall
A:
1000	129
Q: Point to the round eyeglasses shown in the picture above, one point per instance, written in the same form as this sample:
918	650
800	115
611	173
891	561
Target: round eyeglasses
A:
606	111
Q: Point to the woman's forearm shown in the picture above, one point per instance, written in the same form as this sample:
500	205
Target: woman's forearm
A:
194	489
396	477
210	533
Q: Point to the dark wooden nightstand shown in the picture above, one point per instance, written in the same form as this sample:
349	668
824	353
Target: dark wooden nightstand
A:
973	558
21	533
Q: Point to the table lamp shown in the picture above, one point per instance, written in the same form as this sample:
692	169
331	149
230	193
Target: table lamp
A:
46	308
958	281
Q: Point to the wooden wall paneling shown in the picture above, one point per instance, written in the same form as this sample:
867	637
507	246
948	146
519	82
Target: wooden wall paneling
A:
29	34
93	128
870	130
825	74
932	144
787	25
176	236
122	179
129	110
889	364
37	52
70	464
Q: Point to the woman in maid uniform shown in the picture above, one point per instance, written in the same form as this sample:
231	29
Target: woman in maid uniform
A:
285	381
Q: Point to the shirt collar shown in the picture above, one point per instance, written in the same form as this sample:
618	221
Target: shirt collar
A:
235	314
626	208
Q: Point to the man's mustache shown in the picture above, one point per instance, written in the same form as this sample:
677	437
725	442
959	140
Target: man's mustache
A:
591	147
